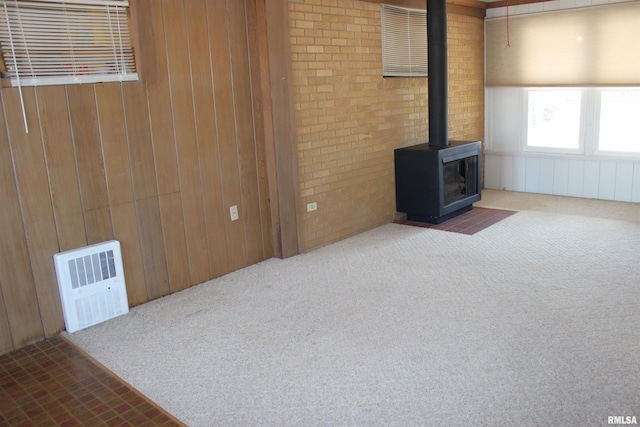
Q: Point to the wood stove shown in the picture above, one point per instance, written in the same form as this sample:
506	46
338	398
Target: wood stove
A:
434	184
440	179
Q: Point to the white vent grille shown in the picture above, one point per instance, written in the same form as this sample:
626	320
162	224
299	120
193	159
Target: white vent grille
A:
91	283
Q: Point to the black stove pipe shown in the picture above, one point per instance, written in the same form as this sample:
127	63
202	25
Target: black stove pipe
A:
437	73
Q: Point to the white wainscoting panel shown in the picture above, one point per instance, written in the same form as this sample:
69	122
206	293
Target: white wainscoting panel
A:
593	179
506	172
561	177
624	181
607	189
635	189
492	171
532	175
546	175
576	178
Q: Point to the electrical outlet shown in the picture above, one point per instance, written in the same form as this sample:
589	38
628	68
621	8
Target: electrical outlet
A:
233	210
312	207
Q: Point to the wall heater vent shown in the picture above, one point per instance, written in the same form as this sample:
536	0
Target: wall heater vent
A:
91	283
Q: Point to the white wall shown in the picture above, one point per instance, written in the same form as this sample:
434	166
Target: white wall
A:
509	166
551	174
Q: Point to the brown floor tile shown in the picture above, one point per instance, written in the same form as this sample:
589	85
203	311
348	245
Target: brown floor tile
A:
52	383
469	223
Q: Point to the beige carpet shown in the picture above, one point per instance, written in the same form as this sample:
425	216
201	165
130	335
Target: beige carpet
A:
533	321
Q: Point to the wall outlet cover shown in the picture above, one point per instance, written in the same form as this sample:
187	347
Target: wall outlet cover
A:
233	210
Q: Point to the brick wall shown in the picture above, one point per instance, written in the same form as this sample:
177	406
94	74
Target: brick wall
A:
349	119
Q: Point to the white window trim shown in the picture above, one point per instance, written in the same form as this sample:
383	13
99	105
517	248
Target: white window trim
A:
525	120
506	142
593	145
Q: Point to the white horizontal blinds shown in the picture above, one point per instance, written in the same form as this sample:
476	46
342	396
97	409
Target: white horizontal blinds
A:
63	42
596	46
404	41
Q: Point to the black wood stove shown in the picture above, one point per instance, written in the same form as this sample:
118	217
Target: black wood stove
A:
439	179
434	184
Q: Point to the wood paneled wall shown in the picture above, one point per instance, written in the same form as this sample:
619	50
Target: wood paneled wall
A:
155	164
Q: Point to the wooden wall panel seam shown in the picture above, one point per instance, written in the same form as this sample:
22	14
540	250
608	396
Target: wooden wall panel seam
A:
181	92
206	133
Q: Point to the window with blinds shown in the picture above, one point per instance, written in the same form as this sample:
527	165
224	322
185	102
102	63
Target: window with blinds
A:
404	42
51	42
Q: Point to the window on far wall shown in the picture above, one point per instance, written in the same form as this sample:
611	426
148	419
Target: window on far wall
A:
404	41
553	119
49	42
619	120
602	121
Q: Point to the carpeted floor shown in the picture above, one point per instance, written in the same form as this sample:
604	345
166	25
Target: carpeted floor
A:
532	321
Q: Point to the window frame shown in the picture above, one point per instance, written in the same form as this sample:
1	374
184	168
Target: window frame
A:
597	93
114	52
589	124
558	150
390	65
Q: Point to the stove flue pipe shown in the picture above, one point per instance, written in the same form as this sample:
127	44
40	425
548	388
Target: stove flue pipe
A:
437	70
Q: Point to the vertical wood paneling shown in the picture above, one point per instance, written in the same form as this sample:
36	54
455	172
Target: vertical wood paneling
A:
225	119
36	207
155	164
250	212
125	230
140	146
185	138
113	134
120	186
20	301
6	344
265	112
90	165
206	130
259	115
175	241
152	37
61	167
145	191
284	149
152	246
164	148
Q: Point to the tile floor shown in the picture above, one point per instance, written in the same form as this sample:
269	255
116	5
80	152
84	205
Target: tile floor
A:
51	383
469	223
